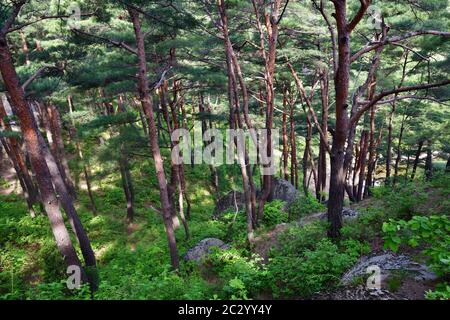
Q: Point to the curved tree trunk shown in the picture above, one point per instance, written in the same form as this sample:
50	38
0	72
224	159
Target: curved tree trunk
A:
294	169
372	154
48	124
175	176
235	122
285	173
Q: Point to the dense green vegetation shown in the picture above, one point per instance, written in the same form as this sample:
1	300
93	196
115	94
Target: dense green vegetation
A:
355	95
133	265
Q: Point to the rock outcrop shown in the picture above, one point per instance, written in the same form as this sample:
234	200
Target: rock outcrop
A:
284	190
281	190
357	293
231	200
203	248
388	262
348	213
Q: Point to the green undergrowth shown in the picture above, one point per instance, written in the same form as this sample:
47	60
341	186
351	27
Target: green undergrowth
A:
133	261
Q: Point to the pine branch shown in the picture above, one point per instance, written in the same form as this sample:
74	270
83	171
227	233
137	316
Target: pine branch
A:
119	44
359	15
380	96
9	22
372	46
34	76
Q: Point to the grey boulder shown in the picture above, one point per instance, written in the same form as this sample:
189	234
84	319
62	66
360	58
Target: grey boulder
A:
231	200
281	190
203	248
388	262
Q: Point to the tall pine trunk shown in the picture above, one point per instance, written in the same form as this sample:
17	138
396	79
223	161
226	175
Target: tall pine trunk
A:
235	122
417	158
429	163
85	164
362	164
322	165
294	165
372	154
56	126
146	102
175	176
124	167
50	129
35	150
341	80
285	138
399	149
389	147
14	151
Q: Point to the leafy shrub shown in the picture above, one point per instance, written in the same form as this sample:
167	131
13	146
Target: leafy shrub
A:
441	180
114	196
366	226
354	248
306	261
236	289
4	183
241	273
401	201
53	264
381	191
295	239
304	205
235	226
441	292
141	285
58	291
310	271
432	232
274	213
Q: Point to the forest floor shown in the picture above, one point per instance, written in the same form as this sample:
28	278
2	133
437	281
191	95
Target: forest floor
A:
399	286
8	182
133	261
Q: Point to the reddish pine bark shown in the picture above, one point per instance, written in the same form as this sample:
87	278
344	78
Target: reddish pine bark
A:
14	151
147	105
35	150
73	134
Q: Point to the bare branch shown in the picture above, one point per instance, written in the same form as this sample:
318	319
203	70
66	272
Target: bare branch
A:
404	97
34	76
380	96
119	44
21	26
359	15
301	89
331	31
9	22
372	46
282	12
161	80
